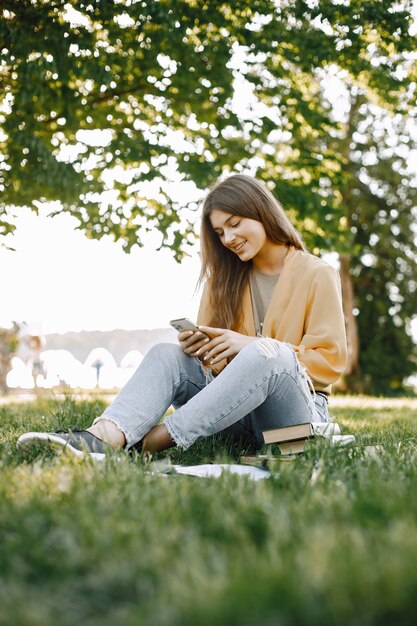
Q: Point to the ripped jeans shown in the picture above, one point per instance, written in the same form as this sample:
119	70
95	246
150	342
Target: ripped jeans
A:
262	387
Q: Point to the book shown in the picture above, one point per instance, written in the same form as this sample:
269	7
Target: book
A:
264	460
297	432
292	447
297	446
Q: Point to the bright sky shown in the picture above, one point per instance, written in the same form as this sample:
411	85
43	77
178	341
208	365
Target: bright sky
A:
57	280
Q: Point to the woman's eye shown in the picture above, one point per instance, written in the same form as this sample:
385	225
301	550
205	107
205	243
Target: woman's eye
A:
235	224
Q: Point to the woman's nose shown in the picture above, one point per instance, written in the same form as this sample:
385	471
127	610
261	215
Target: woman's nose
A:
228	237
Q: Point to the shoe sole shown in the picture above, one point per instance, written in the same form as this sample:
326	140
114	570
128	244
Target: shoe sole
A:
57	443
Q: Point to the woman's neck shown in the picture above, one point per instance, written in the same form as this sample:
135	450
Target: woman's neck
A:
270	259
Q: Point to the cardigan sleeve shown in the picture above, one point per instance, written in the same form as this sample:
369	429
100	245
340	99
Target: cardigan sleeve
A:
323	349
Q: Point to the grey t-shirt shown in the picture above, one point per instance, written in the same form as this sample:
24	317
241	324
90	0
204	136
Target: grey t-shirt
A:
261	287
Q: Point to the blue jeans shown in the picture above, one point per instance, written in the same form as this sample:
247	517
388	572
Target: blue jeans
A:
263	387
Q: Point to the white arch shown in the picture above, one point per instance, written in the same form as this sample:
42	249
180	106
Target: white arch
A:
132	359
100	354
60	366
20	375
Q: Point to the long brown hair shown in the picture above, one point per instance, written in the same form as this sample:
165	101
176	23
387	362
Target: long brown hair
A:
226	274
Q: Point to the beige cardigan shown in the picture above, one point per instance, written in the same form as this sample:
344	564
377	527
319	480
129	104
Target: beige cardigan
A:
306	312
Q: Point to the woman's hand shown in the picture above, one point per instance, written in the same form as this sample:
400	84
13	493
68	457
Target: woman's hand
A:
222	344
191	341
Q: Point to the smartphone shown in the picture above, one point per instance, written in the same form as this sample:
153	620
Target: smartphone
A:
183	323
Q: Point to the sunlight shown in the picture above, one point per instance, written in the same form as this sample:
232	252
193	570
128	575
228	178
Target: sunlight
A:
59	368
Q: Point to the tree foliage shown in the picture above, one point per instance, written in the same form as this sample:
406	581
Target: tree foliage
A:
380	199
158	78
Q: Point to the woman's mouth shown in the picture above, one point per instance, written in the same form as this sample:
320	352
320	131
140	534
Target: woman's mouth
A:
239	247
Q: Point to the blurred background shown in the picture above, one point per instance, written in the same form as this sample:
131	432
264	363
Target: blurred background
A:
116	117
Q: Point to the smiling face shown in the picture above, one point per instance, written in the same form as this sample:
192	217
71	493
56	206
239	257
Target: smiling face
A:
243	236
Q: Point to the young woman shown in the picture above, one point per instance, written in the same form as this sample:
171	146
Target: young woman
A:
271	339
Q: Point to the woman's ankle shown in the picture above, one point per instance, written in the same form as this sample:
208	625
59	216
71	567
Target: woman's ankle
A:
108	432
157	439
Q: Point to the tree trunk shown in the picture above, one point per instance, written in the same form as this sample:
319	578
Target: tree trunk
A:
351	325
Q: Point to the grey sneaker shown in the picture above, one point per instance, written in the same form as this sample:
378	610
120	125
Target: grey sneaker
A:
77	442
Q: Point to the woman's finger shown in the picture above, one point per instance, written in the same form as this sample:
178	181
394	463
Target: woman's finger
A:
210	331
195	347
191	339
217	349
212	343
184	335
219	357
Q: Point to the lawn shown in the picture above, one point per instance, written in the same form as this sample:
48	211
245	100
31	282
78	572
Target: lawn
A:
330	539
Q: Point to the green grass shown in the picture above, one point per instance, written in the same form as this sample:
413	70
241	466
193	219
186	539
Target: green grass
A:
331	540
